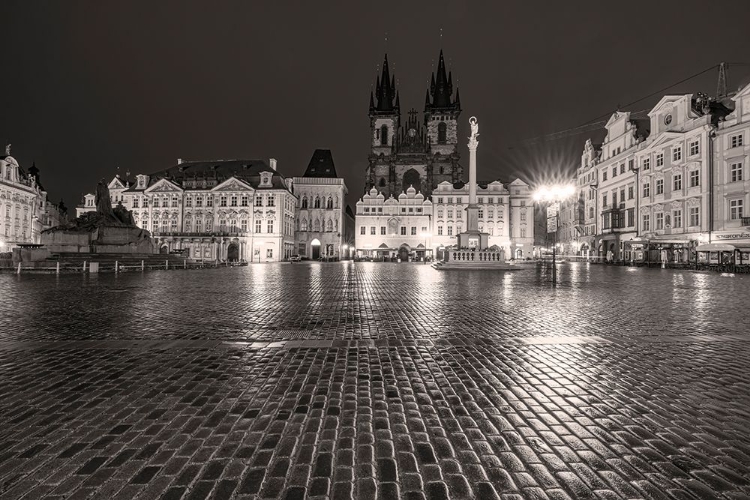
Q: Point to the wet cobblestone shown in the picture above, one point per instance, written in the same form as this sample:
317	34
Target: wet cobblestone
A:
375	381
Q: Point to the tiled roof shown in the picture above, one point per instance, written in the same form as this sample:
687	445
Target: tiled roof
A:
220	170
321	164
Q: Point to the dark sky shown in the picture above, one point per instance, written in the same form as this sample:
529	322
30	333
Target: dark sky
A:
90	86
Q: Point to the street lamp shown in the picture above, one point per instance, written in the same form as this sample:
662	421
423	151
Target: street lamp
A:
553	196
425	236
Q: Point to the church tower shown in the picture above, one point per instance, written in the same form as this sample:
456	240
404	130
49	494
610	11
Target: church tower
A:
441	112
385	120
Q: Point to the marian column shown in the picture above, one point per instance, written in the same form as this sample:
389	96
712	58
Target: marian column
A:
472	238
473	221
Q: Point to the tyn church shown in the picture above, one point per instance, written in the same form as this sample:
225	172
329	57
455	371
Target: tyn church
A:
412	154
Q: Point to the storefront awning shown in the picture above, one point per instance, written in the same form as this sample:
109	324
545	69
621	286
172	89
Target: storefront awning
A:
715	247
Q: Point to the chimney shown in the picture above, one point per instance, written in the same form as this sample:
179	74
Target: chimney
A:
272	161
179	161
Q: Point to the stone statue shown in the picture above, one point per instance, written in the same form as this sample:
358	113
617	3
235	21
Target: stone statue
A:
474	128
103	202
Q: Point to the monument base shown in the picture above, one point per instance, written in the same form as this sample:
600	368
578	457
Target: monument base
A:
473	240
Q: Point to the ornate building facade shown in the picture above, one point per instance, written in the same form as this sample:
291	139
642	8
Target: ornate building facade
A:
24	209
413	154
224	210
320	226
413	226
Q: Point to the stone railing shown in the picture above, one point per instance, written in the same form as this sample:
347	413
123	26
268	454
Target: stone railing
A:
476	256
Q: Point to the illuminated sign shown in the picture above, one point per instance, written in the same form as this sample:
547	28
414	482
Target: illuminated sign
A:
732	236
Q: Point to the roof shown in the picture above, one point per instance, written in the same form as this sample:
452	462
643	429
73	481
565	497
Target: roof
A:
221	170
321	164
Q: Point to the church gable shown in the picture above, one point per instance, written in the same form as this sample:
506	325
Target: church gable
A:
164	186
233	184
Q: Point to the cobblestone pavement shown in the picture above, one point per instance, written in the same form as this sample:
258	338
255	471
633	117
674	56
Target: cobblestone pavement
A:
359	381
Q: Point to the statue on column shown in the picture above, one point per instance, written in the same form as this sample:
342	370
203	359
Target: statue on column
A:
103	202
474	130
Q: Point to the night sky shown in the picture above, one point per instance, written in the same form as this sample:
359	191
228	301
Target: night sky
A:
92	86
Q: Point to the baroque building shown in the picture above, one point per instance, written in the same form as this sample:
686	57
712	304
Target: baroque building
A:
320	226
413	154
223	210
24	209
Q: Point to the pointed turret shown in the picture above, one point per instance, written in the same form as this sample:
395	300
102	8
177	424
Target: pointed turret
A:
372	102
398	102
441	87
426	99
385	89
458	100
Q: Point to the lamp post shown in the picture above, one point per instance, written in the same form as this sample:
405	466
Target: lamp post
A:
553	196
425	236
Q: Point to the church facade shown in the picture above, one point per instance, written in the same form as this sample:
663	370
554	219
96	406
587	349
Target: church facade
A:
413	153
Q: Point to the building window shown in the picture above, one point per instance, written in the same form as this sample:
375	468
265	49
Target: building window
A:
244	200
735	141
694	178
209	201
329	203
677	182
631	217
695	148
646	163
384	135
660	159
382	230
659	186
209	224
304	202
622	167
646	222
622	195
604	175
606	220
440	200
591	212
243	225
677	218
459	213
233	225
659	221
450	230
269	226
271	200
440	230
223	201
269	253
677	153
450	200
630	192
736	172
259	201
403	230
480	213
413	231
199	201
523	232
257	225
372	230
362	230
604	200
695	217
233	201
523	216
442	132
614	171
735	209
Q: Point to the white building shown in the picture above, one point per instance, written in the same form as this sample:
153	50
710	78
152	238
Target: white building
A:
224	210
731	220
320	219
22	204
394	227
412	226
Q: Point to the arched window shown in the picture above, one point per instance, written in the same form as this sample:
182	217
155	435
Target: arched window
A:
382	182
317	202
442	132
316	225
329	225
384	135
303	225
304	203
442	170
329	203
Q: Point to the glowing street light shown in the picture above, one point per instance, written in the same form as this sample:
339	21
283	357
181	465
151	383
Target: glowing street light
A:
553	195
